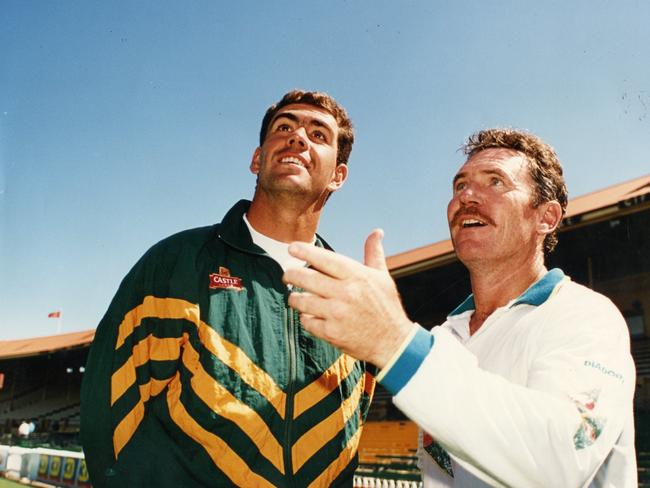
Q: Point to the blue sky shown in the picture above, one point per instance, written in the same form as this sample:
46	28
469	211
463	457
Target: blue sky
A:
124	122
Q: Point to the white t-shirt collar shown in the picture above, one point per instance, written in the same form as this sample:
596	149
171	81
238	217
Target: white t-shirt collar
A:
278	250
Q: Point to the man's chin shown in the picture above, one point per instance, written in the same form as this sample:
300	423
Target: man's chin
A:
468	251
285	188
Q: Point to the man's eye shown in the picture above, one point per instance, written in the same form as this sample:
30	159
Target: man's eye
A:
319	135
283	128
497	182
460	186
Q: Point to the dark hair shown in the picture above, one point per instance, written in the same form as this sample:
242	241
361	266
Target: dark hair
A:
321	100
543	164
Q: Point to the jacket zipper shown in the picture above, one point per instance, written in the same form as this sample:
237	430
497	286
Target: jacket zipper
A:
289	316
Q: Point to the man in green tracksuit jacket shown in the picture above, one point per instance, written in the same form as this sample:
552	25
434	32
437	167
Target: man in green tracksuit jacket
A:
200	373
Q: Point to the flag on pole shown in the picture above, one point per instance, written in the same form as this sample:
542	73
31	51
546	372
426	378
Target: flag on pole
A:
54	315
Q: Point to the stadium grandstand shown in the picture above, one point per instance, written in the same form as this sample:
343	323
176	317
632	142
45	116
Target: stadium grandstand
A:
604	243
40	382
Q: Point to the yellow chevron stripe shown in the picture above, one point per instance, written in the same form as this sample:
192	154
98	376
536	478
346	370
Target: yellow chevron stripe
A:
122	379
152	388
248	371
164	308
219	451
219	399
339	464
323	386
167	349
128	425
226	351
212	394
312	440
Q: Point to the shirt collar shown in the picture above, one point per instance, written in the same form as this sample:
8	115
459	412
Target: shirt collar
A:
234	231
535	295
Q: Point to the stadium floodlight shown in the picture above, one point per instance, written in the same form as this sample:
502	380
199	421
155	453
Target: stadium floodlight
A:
68	370
82	369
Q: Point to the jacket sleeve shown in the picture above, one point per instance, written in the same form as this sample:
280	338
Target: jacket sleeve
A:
96	424
133	357
369	384
560	425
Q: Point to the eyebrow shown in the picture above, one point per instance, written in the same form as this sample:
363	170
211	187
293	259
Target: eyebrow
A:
457	177
488	172
293	117
286	115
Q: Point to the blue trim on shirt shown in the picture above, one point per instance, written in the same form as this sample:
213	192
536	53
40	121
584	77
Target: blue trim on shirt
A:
409	361
540	291
468	304
535	295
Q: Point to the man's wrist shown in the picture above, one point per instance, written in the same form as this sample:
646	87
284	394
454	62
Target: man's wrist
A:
404	364
396	353
393	344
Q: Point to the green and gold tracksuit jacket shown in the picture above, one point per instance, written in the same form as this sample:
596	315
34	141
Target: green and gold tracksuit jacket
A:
201	375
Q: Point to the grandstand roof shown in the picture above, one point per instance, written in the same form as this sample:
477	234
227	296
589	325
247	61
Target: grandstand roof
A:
41	345
584	208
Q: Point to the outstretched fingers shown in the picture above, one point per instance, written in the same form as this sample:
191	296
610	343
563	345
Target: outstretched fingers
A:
325	261
309	304
312	281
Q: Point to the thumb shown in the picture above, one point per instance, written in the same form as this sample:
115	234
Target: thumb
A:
374	251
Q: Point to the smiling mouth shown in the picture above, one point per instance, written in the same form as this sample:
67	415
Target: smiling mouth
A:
292	160
466	223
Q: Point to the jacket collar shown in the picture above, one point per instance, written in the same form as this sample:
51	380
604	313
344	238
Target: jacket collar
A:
234	232
535	295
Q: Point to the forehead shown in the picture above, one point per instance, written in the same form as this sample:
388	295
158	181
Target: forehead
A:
508	161
307	113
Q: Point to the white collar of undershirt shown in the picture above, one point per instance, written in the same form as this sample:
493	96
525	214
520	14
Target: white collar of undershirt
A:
278	250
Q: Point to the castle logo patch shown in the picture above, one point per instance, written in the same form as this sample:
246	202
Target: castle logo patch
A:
223	280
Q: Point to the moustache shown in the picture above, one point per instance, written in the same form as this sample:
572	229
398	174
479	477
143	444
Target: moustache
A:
471	212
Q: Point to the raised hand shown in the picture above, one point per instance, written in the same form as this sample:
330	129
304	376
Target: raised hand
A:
355	307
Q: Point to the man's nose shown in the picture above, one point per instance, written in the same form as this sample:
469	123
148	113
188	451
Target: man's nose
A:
469	195
298	138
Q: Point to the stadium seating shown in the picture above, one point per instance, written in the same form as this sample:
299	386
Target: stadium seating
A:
45	389
387	452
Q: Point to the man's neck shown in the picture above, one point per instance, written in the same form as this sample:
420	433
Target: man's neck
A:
495	285
285	220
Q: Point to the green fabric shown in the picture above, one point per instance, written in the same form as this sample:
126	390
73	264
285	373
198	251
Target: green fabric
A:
256	319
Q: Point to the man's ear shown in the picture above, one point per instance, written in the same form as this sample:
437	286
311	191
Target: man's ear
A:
338	178
255	162
551	217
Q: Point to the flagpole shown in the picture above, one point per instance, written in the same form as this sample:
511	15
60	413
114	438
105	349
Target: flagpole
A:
58	315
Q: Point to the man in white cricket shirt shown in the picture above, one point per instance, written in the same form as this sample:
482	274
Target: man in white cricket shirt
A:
530	381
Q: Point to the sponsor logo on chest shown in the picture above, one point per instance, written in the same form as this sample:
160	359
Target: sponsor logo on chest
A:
223	280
